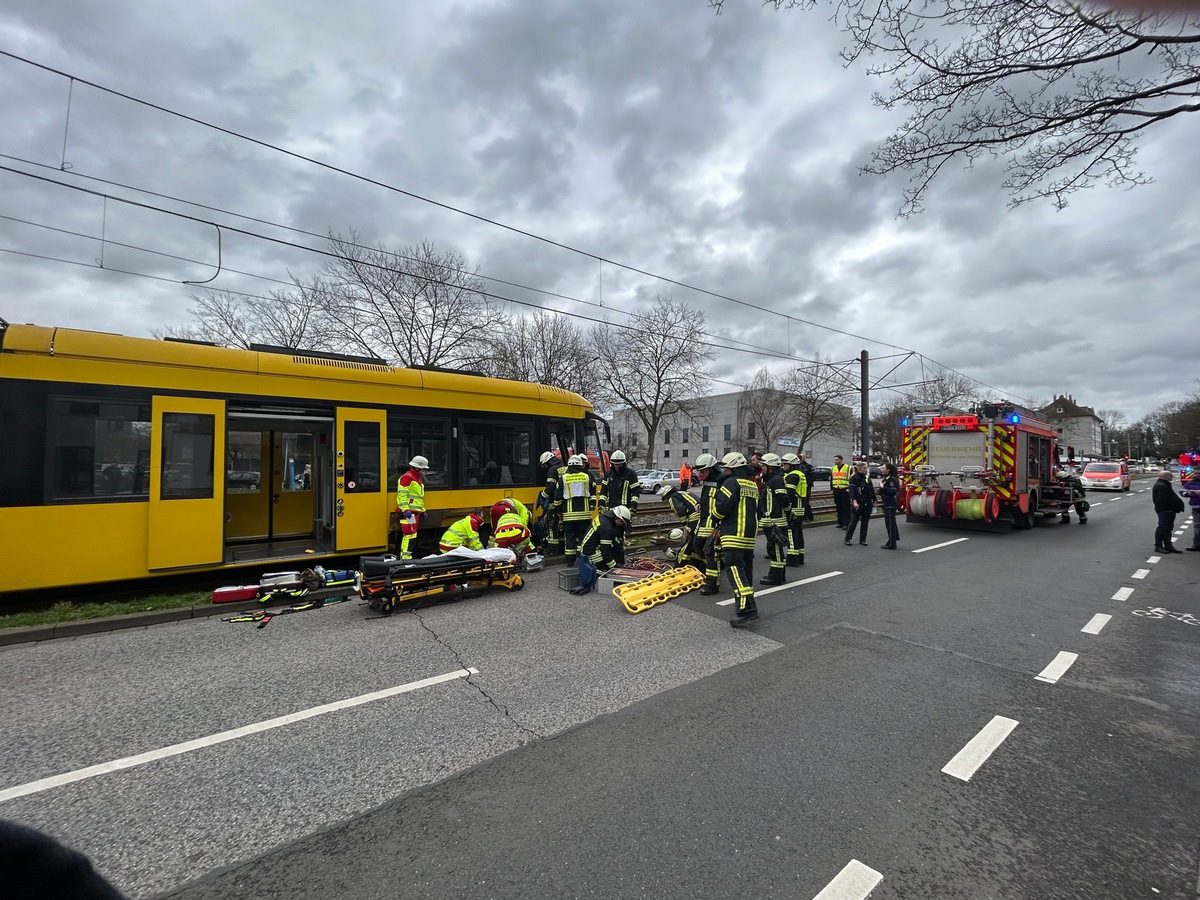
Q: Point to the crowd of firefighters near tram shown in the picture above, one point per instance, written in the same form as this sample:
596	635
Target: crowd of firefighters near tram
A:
722	505
585	518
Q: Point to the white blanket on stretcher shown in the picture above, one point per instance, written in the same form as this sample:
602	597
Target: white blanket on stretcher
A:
491	554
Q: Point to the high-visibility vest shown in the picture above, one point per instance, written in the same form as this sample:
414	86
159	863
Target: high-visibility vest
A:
510	531
461	534
841	476
410	492
575	489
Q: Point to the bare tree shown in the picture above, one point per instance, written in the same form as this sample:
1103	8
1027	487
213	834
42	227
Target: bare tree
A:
654	364
886	433
764	414
283	318
945	388
819	398
1062	90
419	306
545	348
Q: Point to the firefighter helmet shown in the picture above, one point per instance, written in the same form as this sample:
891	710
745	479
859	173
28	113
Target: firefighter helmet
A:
617	456
666	490
676	534
790	458
418	462
577	461
622	513
705	461
771	459
546	458
733	460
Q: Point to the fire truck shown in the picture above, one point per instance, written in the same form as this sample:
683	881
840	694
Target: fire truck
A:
990	468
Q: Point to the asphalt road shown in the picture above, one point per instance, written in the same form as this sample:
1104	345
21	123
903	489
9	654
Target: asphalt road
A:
597	754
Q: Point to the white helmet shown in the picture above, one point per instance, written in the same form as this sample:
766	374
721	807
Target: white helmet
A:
617	456
666	490
790	458
577	461
545	458
733	460
771	459
705	461
622	513
676	534
418	462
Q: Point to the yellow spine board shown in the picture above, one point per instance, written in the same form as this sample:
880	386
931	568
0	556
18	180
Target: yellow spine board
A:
640	595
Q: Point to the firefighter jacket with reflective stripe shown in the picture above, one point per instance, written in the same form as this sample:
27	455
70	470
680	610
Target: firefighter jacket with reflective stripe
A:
798	489
598	543
708	496
461	534
735	510
410	492
841	476
573	495
686	507
522	510
775	500
552	472
510	531
620	488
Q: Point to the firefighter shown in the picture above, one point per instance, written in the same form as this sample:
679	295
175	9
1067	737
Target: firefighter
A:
687	510
773	505
1074	486
797	482
510	527
703	544
735	515
839	482
573	502
463	533
810	479
410	502
598	551
620	486
552	539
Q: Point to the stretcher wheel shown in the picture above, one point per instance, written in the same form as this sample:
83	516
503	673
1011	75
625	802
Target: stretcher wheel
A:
518	583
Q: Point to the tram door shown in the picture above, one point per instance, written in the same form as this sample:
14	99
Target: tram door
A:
360	507
269	483
187	442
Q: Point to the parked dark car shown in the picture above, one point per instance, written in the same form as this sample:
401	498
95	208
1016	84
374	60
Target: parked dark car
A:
822	473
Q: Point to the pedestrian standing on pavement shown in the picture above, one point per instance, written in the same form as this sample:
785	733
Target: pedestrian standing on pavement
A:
735	511
862	502
1167	504
1191	489
889	492
839	482
685	476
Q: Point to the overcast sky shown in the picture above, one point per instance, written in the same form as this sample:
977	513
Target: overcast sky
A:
718	152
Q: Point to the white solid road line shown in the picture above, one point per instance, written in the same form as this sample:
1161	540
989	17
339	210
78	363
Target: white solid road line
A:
1140	574
783	587
979	748
1058	667
221	737
1122	594
854	882
944	544
1098	621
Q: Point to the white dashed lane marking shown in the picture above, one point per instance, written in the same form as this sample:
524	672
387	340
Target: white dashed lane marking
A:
854	882
943	544
1153	559
1123	594
1099	620
1058	667
968	760
1140	574
783	587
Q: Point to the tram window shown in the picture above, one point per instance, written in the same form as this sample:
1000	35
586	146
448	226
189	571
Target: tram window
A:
99	449
419	437
362	458
188	443
497	452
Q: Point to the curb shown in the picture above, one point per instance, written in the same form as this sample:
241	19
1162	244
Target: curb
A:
36	633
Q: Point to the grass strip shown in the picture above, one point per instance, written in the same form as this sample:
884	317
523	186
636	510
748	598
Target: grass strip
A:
66	611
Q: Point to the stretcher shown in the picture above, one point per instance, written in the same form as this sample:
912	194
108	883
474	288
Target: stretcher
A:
388	582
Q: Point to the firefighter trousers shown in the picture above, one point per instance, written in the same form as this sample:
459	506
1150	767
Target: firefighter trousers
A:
795	551
574	531
740	566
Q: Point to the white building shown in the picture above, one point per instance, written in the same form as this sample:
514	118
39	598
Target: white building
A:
1079	426
722	428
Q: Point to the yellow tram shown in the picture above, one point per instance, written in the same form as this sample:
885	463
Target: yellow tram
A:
129	458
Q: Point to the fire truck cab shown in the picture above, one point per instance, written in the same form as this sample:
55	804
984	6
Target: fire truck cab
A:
989	468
